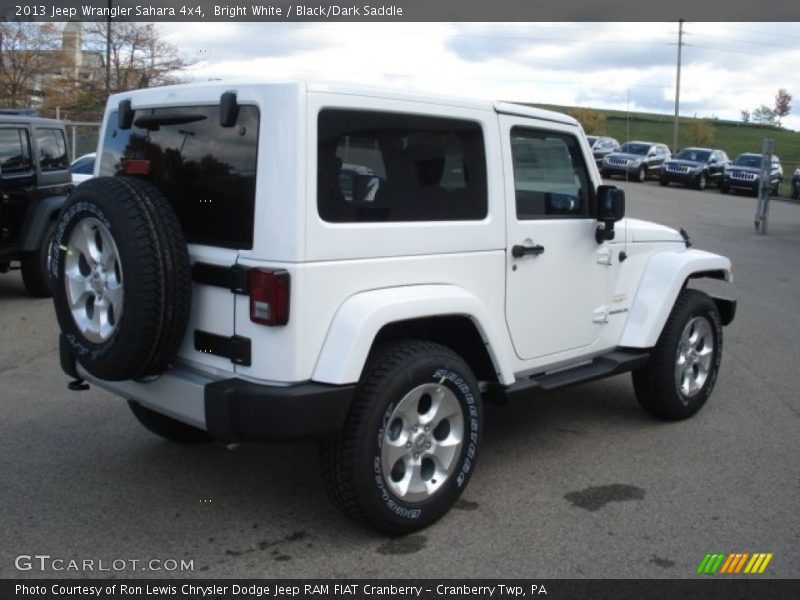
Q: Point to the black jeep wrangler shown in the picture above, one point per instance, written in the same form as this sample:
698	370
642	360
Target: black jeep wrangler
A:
34	182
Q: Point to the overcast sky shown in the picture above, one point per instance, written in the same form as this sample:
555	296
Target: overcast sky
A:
727	67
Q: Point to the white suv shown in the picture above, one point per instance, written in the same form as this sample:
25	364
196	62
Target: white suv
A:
289	260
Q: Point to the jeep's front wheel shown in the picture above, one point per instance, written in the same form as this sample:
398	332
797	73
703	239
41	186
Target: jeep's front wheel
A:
410	441
641	174
683	368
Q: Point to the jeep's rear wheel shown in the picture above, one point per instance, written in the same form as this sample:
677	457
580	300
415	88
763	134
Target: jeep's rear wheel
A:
167	427
34	267
120	275
683	368
410	442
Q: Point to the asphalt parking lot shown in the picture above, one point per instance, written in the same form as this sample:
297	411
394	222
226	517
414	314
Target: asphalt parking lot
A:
579	483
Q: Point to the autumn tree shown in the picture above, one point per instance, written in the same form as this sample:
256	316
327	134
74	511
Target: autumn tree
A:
783	105
26	57
702	132
593	122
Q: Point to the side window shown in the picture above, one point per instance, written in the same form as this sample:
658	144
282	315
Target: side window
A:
379	166
550	176
52	150
15	155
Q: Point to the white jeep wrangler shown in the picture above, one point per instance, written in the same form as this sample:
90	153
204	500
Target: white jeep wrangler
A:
298	261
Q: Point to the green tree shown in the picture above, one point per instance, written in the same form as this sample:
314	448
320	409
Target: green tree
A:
764	115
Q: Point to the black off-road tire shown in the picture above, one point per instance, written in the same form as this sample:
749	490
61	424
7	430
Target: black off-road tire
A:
34	267
352	464
155	272
167	427
656	384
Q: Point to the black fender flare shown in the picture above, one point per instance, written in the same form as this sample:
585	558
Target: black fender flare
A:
35	223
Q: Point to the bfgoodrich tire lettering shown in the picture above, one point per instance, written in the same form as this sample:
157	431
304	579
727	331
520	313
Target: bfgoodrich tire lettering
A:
149	278
396	414
683	367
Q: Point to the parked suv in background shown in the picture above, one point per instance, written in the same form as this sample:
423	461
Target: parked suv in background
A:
796	184
361	266
636	160
697	167
34	183
745	174
601	146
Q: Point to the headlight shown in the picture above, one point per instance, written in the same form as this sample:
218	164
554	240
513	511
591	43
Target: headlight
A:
635	162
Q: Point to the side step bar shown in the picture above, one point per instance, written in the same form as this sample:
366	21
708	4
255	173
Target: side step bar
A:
613	363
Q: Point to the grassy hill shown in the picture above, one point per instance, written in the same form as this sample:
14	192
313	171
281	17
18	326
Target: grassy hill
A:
732	136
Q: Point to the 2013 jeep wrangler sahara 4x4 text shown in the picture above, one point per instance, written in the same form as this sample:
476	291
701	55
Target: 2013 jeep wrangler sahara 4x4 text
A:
302	261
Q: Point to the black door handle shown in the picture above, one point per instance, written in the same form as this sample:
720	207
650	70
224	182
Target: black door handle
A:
518	251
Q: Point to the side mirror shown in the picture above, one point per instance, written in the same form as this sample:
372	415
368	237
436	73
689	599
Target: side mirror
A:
610	209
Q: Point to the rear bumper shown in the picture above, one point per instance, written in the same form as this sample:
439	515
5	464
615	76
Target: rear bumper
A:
234	410
238	410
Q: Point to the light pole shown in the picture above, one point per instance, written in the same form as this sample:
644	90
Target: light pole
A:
677	88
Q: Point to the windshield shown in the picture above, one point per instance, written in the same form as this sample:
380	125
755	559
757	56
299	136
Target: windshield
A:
694	155
635	148
748	160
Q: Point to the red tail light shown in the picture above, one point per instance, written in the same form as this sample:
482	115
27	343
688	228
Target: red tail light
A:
136	167
269	296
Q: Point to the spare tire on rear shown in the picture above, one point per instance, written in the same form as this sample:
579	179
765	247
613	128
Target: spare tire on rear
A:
121	278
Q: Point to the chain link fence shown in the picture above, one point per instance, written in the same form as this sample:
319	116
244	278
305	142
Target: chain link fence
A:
82	137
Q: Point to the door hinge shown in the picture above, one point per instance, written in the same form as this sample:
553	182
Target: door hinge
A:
604	255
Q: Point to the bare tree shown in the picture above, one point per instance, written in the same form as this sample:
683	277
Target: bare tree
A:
140	57
26	57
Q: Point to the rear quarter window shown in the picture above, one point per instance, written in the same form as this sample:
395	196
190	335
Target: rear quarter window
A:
206	171
381	166
52	150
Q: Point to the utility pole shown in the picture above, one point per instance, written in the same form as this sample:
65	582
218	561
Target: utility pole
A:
677	88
